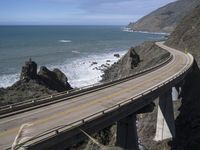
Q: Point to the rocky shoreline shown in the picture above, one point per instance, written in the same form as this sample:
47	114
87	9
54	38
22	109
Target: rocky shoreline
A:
33	84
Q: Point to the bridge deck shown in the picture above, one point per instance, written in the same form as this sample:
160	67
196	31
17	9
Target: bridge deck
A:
80	107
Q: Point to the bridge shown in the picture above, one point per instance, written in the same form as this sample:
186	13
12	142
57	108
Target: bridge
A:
58	118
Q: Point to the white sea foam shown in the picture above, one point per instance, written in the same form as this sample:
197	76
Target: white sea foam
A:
8	80
130	30
76	52
80	72
65	41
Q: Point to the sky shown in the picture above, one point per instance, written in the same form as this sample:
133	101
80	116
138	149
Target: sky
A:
75	12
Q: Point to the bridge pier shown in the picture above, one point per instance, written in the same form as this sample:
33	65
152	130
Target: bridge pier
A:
127	133
165	127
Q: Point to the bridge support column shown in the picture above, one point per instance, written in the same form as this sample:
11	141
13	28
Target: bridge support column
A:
127	133
165	118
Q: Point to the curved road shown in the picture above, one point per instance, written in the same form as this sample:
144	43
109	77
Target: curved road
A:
80	107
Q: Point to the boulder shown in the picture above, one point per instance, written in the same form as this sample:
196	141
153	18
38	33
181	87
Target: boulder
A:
29	71
117	55
93	63
54	80
60	76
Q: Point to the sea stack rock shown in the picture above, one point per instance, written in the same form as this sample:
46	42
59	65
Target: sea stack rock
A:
116	55
29	71
55	80
135	58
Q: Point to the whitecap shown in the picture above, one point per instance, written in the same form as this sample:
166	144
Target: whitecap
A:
76	52
65	41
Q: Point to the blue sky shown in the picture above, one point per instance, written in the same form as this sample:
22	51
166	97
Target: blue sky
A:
75	12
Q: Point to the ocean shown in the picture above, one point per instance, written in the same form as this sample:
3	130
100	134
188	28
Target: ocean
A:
72	49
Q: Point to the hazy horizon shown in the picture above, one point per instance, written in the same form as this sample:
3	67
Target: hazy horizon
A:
79	12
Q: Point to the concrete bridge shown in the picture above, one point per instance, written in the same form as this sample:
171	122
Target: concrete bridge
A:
58	118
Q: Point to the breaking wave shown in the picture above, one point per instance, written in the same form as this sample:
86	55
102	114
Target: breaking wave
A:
80	72
65	41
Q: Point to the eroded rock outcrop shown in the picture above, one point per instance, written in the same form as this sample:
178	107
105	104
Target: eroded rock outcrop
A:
34	85
29	71
55	80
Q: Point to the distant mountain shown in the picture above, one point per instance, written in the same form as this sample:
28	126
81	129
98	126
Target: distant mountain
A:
166	18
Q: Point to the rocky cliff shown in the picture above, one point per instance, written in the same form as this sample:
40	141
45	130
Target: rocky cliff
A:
188	121
138	58
186	37
166	18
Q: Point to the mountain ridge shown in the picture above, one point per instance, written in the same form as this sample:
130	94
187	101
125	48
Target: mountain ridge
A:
166	18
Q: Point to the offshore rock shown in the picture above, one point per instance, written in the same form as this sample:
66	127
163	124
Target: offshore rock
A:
54	80
29	71
116	55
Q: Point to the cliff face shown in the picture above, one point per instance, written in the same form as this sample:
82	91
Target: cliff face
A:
186	37
166	18
188	121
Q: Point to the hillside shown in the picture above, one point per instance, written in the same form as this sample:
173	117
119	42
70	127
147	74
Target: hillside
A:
149	53
166	18
186	37
187	34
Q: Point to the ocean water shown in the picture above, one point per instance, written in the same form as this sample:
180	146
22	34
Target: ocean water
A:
69	48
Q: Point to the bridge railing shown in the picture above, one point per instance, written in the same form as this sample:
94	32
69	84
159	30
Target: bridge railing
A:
64	128
30	104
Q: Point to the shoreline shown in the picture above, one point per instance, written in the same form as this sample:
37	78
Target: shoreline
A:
81	67
125	29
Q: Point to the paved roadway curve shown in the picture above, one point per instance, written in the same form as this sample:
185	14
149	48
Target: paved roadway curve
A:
69	111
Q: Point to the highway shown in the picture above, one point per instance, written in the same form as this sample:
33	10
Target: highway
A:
80	107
